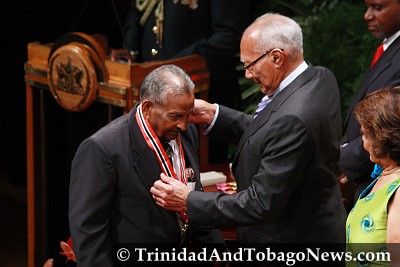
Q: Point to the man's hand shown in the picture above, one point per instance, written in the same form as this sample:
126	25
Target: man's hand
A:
170	193
203	112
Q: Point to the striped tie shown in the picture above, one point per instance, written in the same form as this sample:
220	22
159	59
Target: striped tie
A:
168	150
263	103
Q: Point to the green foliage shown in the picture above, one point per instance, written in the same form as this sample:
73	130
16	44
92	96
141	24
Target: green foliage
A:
250	96
337	37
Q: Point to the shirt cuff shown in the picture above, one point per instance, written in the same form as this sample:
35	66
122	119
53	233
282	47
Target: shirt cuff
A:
209	128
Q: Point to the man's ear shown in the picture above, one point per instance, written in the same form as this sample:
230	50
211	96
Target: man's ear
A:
147	105
278	58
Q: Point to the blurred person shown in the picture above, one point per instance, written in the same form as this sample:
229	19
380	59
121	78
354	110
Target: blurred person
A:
161	30
286	162
383	20
167	29
113	170
373	223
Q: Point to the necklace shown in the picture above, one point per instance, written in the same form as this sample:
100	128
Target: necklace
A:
381	175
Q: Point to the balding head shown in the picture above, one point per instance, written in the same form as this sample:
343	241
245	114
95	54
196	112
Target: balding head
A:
275	31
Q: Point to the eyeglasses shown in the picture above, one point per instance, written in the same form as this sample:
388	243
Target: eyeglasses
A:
258	59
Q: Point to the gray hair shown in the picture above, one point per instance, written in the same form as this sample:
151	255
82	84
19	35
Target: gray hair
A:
276	31
165	80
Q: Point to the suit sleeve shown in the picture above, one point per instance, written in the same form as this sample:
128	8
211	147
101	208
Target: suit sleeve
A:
132	29
91	194
192	136
283	162
230	124
354	160
227	30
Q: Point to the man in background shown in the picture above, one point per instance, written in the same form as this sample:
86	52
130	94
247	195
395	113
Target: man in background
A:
383	20
167	29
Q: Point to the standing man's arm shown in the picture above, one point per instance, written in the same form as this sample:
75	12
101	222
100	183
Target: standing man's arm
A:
221	122
91	194
283	163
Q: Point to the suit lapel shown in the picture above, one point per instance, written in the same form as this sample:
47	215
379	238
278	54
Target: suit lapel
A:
190	159
272	107
372	74
144	160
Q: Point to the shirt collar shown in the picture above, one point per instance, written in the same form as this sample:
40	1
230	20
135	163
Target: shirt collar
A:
290	78
388	41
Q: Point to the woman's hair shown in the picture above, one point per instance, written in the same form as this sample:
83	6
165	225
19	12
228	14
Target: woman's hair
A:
379	115
163	81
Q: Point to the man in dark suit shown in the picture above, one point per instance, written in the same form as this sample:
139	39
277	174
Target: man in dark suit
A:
383	19
286	162
113	170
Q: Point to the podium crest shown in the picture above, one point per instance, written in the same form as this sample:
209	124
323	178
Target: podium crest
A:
74	70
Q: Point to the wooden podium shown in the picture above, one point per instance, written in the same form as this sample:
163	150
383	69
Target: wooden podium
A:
72	90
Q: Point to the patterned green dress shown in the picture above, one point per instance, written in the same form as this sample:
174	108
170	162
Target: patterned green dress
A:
366	224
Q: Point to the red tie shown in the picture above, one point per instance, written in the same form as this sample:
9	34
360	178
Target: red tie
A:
378	54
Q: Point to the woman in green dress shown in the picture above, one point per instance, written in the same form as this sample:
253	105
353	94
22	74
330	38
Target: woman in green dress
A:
373	225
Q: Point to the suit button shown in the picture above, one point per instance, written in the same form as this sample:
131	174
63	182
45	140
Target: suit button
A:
154	29
154	52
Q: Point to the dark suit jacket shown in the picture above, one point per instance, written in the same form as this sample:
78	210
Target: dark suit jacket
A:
286	167
189	31
354	160
213	30
110	200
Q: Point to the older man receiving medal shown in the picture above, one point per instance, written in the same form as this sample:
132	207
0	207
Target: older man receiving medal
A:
114	169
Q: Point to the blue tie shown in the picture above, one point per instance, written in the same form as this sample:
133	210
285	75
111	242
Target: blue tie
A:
263	103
